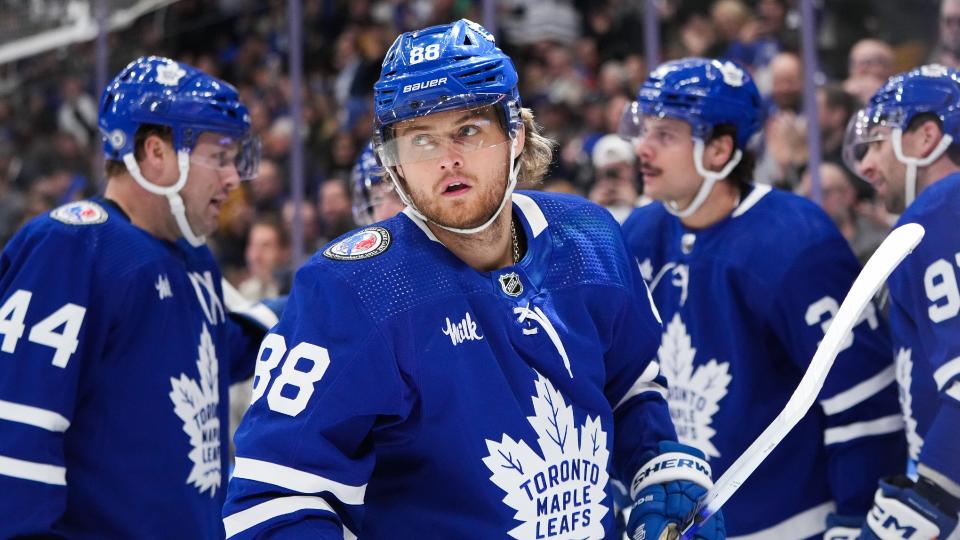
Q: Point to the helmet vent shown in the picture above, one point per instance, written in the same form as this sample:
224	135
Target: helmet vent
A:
467	41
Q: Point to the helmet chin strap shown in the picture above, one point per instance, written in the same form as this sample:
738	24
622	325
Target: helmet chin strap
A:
709	179
912	163
511	185
172	193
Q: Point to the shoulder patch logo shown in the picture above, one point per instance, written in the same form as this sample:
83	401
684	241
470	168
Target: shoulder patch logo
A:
559	491
364	244
695	394
80	213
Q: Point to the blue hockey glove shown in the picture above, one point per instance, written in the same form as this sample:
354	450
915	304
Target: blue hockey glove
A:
904	509
667	490
843	527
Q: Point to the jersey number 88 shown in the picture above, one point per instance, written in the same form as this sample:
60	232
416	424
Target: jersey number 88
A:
304	366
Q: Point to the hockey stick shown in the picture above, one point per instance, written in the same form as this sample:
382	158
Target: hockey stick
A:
891	252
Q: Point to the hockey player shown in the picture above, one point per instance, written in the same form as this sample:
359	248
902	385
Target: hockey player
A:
747	280
374	198
478	366
903	142
117	349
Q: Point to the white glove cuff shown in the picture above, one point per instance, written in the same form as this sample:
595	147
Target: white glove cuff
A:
670	467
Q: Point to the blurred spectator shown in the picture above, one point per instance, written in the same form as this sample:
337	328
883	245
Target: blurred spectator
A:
336	210
784	134
786	90
267	256
312	240
871	57
267	190
615	185
947	51
839	201
77	114
870	64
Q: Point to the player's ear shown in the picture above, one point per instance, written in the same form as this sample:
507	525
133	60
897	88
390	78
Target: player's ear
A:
718	152
930	136
520	140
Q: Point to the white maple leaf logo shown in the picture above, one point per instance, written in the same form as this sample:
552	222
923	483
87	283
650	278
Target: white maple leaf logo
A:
694	394
559	492
198	406
904	365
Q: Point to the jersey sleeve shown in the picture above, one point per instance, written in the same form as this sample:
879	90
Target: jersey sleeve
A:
326	378
926	286
636	389
52	325
863	429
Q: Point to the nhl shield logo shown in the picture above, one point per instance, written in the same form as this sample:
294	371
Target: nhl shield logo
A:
511	284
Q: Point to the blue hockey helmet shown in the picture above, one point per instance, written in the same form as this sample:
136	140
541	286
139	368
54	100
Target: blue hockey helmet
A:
441	68
369	186
153	90
705	94
160	91
702	92
931	89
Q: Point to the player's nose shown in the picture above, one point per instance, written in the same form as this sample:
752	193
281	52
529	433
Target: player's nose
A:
450	157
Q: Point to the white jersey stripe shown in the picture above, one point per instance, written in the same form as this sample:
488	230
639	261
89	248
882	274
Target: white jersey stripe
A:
808	523
296	480
860	392
255	515
37	472
880	426
33	416
644	383
535	217
946	372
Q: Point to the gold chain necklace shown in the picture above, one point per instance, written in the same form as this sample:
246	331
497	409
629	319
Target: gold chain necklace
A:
516	242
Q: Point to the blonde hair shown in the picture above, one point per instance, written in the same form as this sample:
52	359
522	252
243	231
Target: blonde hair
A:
537	151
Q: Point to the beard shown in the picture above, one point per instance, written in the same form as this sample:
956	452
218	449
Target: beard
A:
469	212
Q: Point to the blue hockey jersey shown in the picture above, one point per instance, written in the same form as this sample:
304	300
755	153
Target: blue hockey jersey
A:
924	321
406	395
745	303
114	366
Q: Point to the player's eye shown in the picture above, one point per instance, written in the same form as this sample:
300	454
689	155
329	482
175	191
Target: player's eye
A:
468	130
424	141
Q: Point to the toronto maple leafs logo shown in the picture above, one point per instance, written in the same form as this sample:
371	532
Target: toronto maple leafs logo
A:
559	492
694	394
170	73
904	380
198	405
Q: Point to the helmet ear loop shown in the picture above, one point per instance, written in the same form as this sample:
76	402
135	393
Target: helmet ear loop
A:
709	179
172	193
912	163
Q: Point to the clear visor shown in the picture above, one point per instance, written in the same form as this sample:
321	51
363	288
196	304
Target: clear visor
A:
865	130
453	126
227	154
636	125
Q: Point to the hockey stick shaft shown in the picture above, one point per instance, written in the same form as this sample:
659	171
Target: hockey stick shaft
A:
891	252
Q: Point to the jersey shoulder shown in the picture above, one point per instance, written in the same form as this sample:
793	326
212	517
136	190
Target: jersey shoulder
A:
385	269
587	245
91	233
776	213
937	207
